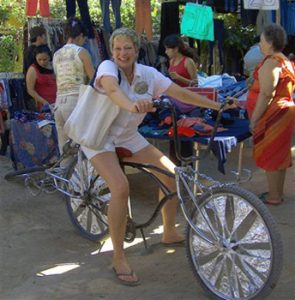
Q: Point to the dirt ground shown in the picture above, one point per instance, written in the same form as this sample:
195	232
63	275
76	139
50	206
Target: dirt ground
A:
43	257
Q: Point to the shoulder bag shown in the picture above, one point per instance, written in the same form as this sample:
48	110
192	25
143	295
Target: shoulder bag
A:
92	117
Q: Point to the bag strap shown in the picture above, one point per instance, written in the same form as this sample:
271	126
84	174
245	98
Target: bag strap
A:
94	76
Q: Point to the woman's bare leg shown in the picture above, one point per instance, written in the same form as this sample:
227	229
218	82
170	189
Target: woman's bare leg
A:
107	165
275	180
153	156
281	182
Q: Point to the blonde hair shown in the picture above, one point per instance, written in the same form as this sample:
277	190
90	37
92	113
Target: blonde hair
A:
125	32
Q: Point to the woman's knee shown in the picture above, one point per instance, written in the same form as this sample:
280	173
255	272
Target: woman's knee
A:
120	188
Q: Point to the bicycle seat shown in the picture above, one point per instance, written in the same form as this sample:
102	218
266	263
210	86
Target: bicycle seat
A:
123	152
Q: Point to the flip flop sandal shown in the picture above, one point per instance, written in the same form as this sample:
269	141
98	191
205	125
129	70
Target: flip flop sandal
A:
175	244
263	196
126	282
264	199
273	203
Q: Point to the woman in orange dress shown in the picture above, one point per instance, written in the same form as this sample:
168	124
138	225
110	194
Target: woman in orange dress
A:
271	110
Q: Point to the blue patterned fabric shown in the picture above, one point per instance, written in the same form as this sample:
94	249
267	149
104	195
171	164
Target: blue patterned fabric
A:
32	145
223	143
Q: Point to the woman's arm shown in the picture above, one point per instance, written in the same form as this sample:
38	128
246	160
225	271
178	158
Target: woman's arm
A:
31	79
192	70
268	77
113	90
88	66
189	97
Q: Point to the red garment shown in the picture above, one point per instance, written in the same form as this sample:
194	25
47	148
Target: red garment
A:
181	70
182	131
45	86
272	136
31	8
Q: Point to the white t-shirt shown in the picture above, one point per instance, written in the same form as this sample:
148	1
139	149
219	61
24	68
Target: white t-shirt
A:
126	123
69	70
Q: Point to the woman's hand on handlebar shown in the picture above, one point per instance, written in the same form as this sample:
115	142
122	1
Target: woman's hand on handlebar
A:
230	103
144	106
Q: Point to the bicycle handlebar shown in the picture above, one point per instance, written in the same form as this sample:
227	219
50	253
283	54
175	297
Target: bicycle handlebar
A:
165	103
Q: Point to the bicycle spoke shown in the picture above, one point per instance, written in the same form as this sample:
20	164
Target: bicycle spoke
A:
206	258
245	225
89	220
254	276
229	215
214	220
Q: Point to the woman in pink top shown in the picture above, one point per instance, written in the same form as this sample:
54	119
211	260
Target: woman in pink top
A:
40	78
182	68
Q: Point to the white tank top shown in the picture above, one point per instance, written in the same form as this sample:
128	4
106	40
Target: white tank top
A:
69	70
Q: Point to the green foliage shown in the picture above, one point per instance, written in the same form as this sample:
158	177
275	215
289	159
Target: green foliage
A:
58	9
236	36
8	50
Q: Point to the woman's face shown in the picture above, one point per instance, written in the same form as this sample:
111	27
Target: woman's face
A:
265	47
171	52
124	52
43	59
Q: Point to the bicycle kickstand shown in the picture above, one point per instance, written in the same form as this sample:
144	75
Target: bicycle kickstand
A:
144	239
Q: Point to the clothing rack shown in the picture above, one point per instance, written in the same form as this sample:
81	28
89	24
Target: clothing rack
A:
11	75
50	26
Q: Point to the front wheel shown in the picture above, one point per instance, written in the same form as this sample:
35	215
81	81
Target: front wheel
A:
88	199
235	249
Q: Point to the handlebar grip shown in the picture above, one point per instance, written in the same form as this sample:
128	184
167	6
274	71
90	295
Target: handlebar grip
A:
230	101
165	103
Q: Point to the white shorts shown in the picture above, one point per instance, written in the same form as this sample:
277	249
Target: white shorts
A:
134	143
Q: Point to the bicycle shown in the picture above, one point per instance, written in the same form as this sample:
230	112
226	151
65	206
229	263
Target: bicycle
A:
233	244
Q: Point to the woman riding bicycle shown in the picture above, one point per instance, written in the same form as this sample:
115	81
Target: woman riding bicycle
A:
124	45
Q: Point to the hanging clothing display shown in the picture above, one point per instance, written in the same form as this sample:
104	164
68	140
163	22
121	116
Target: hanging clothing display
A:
105	11
248	16
54	32
12	95
31	8
84	12
169	22
218	37
143	18
264	18
288	16
262	4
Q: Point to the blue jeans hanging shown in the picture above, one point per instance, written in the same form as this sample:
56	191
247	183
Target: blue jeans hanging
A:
105	10
84	12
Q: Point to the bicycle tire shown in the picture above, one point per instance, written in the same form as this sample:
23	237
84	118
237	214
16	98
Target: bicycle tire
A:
87	209
245	259
25	171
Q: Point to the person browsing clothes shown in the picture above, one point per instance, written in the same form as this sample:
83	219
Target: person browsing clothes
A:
125	45
40	78
73	67
272	112
37	35
182	67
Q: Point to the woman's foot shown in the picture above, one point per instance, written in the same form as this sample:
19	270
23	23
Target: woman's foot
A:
124	274
172	237
266	199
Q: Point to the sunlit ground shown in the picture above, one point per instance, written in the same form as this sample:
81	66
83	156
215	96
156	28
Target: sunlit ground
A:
59	269
106	246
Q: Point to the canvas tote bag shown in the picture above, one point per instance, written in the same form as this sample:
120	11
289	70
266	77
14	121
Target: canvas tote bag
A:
90	121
